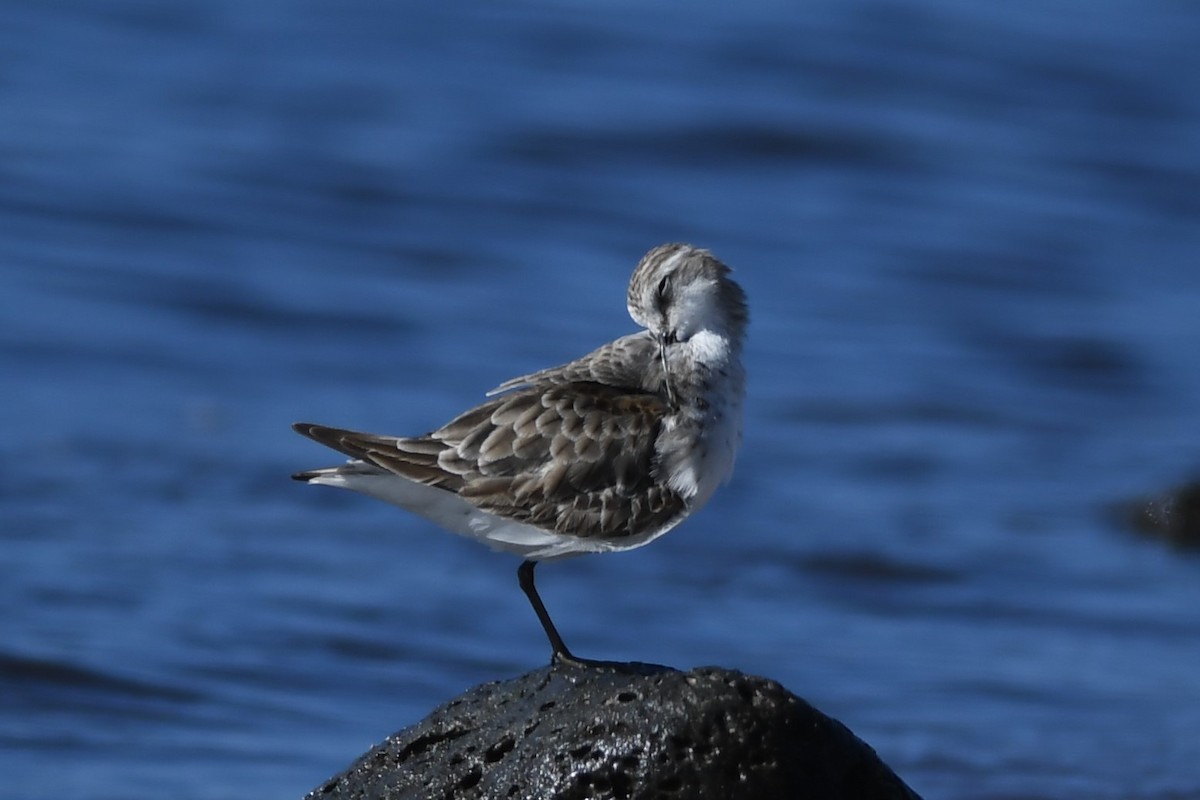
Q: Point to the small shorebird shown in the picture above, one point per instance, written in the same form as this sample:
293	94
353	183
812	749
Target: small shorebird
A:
605	453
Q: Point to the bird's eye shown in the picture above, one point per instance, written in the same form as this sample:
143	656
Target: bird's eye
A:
662	291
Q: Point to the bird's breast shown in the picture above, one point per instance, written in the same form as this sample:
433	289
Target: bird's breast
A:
699	443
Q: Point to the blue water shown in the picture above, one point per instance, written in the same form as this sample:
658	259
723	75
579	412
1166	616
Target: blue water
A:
969	236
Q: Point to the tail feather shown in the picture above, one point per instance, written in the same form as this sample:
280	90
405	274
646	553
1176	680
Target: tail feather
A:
414	459
338	439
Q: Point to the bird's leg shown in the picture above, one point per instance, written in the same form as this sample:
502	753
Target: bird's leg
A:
560	651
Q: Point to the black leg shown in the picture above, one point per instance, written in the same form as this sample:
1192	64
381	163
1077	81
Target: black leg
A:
560	651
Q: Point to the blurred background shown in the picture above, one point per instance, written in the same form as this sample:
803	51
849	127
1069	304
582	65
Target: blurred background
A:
969	236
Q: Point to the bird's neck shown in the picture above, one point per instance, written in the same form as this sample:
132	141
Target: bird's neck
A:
705	367
700	439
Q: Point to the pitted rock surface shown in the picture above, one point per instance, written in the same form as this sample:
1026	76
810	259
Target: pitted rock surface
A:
625	731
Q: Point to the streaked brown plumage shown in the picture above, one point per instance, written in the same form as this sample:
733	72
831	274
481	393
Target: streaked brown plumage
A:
574	458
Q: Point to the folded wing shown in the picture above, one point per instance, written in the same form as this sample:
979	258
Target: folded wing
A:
576	458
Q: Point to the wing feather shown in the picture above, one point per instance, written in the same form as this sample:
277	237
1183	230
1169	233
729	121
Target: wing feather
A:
631	361
575	457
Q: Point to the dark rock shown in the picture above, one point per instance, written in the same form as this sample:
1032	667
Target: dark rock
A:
1173	515
622	731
